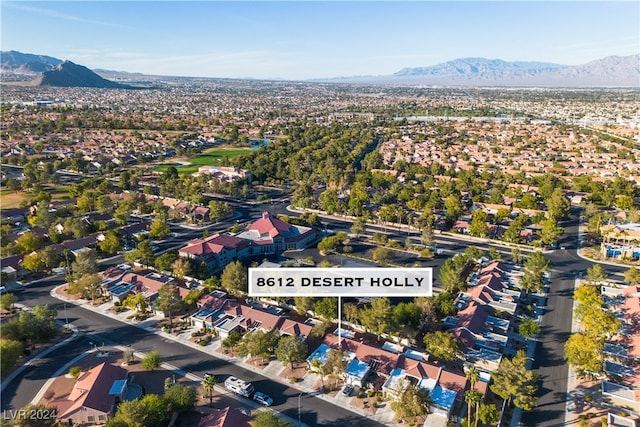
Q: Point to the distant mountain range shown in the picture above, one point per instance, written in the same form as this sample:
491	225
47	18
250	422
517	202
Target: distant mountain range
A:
612	71
27	63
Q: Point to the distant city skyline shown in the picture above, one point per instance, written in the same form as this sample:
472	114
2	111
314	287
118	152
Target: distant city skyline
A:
301	40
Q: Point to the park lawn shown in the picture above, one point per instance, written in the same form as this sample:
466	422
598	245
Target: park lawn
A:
10	199
209	157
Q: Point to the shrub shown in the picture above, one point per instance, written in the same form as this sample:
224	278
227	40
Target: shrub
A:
75	371
204	340
293	380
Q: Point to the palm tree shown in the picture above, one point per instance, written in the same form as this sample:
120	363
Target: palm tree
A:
472	397
472	375
317	367
209	383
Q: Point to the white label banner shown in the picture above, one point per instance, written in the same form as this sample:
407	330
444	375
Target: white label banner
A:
340	282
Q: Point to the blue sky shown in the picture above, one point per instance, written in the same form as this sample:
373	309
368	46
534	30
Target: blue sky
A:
306	39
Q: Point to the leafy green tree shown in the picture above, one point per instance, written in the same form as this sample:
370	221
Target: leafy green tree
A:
478	226
104	204
169	301
87	286
219	210
585	354
412	402
269	419
359	227
111	244
443	303
136	302
489	414
291	349
258	343
531	281
514	383
123	213
181	267
163	262
599	323
528	328
303	304
377	317
234	278
358	199
328	201
558	205
232	340
145	252
328	244
180	397
10	352
382	254
327	308
473	252
33	262
516	255
406	316
85	263
147	411
28	242
596	274
442	345
159	228
151	361
303	195
632	276
7	300
537	262
453	208
45	318
550	232
452	274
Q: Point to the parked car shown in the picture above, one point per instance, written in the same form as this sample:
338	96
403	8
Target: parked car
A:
262	399
347	390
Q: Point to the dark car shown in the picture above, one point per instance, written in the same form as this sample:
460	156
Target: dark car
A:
347	390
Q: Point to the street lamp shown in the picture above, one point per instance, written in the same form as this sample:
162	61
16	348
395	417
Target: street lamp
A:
66	319
299	396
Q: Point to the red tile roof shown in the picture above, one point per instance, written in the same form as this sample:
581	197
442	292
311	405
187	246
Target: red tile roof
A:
91	391
214	244
227	417
271	226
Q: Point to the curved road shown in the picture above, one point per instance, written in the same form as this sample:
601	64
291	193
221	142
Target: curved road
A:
96	328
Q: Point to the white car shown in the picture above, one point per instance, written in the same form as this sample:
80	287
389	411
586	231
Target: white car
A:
262	399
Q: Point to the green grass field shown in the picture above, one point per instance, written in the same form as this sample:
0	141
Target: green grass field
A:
210	157
10	199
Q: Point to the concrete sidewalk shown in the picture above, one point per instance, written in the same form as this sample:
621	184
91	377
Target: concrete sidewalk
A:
384	415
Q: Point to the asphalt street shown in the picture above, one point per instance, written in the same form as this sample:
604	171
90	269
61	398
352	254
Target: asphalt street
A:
96	328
